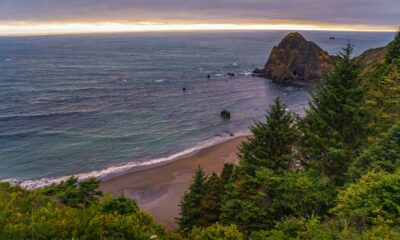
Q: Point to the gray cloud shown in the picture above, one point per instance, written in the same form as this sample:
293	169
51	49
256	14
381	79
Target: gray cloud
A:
376	12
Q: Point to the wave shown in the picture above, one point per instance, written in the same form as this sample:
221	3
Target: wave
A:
159	80
101	174
246	73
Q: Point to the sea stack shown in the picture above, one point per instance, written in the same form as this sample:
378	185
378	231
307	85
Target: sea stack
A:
295	59
225	114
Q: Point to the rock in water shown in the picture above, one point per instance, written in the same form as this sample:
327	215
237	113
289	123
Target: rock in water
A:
296	59
225	114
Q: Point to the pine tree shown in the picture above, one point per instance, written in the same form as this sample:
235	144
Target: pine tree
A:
227	173
211	202
267	154
383	155
190	205
383	96
393	51
271	144
336	125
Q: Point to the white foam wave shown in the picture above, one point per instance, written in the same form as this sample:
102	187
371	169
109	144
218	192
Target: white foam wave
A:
247	73
32	184
159	80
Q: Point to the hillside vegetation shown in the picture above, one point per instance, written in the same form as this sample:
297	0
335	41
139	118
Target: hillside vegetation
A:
332	174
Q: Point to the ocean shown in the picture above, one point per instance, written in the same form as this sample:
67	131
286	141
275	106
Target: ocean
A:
99	104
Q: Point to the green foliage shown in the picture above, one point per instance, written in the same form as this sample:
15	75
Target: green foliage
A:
271	144
393	52
383	155
265	189
190	210
216	232
119	205
380	232
74	193
383	96
372	200
201	204
289	183
34	215
292	169
336	125
257	202
295	228
211	201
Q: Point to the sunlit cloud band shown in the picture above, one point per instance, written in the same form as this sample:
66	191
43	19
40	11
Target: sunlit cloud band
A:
109	27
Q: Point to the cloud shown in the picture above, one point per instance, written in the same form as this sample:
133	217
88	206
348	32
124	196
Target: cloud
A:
366	12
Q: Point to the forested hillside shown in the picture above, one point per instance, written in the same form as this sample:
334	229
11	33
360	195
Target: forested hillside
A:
332	174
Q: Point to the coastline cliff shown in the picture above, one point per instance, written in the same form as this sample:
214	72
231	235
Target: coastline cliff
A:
296	59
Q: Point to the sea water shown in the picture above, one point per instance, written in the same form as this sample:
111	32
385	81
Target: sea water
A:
97	104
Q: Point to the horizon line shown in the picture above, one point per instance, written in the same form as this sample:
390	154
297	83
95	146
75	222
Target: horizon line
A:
40	29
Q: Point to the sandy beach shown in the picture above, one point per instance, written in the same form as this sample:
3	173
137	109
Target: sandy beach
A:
158	190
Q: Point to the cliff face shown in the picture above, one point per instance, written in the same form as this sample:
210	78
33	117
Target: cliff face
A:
296	59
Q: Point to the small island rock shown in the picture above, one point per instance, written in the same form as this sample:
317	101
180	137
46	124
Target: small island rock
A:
225	114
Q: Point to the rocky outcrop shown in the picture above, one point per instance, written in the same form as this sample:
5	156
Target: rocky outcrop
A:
225	114
295	59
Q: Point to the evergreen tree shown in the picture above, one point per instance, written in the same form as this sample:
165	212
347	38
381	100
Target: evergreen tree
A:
227	173
393	51
373	200
211	202
190	205
383	155
383	83
256	203
336	125
75	193
271	144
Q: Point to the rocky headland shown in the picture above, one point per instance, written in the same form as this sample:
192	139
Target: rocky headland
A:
296	59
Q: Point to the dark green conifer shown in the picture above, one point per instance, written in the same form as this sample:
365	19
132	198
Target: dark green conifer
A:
271	144
336	125
190	205
383	155
211	202
394	49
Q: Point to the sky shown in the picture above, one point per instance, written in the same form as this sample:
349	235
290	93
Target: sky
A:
19	16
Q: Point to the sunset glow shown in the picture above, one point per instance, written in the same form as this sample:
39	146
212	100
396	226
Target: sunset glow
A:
111	27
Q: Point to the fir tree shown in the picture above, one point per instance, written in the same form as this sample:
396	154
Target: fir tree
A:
336	125
393	51
190	205
227	172
383	155
272	141
383	96
211	202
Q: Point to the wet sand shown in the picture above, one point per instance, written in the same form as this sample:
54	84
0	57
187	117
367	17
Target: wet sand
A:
158	189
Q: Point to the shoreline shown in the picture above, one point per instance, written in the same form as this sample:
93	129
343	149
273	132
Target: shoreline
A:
118	170
158	188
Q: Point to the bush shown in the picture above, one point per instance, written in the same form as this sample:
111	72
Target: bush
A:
372	200
216	232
